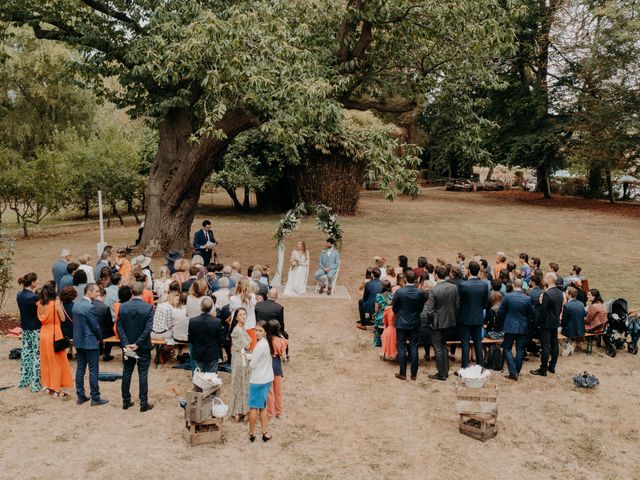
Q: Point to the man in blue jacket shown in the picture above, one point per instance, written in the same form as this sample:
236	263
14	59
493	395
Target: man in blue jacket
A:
516	314
135	321
474	299
86	338
367	304
407	304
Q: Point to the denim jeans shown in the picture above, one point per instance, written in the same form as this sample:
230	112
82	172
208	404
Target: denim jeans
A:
412	336
468	333
520	339
84	358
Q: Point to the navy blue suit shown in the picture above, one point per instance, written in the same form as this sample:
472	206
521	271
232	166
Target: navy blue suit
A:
135	321
516	313
407	304
573	319
86	338
474	298
200	239
367	304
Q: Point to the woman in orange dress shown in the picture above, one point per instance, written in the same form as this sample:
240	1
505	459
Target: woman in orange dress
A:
55	373
123	263
389	340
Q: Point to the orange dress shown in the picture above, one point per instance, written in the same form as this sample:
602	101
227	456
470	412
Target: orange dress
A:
125	268
389	339
147	296
54	366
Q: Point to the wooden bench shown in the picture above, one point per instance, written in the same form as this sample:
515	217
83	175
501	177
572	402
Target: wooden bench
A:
588	337
157	345
486	343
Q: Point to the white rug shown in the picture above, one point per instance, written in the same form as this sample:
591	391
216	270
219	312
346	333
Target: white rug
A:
339	293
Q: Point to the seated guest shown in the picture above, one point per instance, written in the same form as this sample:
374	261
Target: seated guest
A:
573	314
139	275
111	295
182	267
575	275
484	266
223	293
516	313
390	275
366	305
206	336
422	265
596	318
236	276
172	257
379	262
84	265
491	315
179	317
197	292
227	272
67	279
460	262
403	264
79	283
501	263
103	262
555	268
264	277
400	282
122	263
105	321
163	318
161	284
193	276
524	267
367	278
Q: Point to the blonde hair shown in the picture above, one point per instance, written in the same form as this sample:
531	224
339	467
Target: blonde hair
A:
182	265
199	288
164	272
84	259
243	291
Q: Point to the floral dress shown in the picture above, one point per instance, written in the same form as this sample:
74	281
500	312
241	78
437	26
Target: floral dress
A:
239	403
383	300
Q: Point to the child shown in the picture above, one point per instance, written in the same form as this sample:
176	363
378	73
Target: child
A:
274	400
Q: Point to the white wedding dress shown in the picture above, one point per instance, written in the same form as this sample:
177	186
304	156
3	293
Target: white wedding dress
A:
298	273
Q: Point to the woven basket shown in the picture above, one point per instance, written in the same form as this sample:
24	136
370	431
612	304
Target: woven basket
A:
200	380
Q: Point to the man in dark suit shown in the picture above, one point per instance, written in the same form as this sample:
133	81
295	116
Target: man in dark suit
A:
135	321
516	314
442	312
407	304
269	309
474	298
86	335
548	319
206	337
367	304
105	321
201	241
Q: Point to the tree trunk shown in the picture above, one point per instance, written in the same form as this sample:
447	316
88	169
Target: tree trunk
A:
115	211
246	202
234	198
595	182
25	231
86	208
542	181
610	194
179	171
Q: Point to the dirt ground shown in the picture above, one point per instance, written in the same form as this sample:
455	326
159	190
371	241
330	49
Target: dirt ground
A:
346	416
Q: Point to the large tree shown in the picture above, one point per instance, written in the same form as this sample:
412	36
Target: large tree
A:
208	70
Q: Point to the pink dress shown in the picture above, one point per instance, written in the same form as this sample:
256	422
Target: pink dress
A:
389	342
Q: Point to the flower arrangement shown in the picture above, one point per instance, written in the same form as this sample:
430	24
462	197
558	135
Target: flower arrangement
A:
327	221
290	222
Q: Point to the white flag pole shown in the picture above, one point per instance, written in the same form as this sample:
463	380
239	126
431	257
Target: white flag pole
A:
102	244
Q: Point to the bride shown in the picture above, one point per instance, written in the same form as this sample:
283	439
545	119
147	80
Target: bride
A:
299	271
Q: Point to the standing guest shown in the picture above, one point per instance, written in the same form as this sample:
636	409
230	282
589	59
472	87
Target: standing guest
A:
80	281
163	318
573	314
460	262
84	265
389	336
124	295
535	291
523	266
403	264
111	295
555	268
30	357
179	317
407	304
274	399
516	314
204	242
161	284
484	265
596	317
474	299
105	321
67	297
442	310
329	265
59	268
260	380
270	309
172	257
197	293
425	331
366	305
86	338
391	276
264	277
55	373
501	263
135	321
104	277
401	282
549	320
223	293
206	337
382	301
67	279
240	371
103	262
122	262
244	298
575	276
140	232
535	263
182	267
422	265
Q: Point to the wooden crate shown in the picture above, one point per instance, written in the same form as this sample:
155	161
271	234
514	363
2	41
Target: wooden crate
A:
479	426
199	403
206	431
477	400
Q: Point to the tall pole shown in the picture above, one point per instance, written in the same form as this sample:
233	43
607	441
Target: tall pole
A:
101	245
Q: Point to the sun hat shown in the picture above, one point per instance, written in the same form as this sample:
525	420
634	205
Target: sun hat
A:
173	255
141	260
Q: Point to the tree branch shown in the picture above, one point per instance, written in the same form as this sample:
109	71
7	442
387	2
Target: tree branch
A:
400	107
107	10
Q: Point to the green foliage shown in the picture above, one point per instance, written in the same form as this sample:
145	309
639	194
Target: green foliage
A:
6	265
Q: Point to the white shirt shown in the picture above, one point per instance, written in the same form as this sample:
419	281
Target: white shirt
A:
261	363
235	303
89	271
222	297
193	306
180	324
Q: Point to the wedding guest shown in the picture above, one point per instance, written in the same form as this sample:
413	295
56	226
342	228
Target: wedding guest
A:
55	373
138	275
84	265
182	267
236	276
163	318
366	305
275	405
573	314
425	331
442	312
122	263
80	281
379	262
161	284
391	276
264	277
105	321
460	262
102	263
576	276
86	338
407	304
179	317
124	295
367	278
516	314
67	297
246	299
67	279
270	309
59	268
389	336
135	322
240	370
596	317
501	263
227	272
555	268
172	257
222	294
260	380
400	282
403	264
549	314
382	301
206	337
30	357
111	295
524	267
535	263
197	293
144	265
474	299
422	265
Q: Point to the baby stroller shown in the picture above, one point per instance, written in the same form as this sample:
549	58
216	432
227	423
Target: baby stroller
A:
622	329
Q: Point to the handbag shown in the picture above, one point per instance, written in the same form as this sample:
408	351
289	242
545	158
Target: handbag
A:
62	343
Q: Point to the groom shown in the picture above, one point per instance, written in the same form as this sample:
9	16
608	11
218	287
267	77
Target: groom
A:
329	264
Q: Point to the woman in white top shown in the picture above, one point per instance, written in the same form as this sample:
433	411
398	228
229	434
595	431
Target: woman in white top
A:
197	293
180	319
299	271
260	380
161	284
246	299
84	265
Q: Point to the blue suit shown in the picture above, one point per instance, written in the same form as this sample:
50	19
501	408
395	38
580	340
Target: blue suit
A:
573	319
474	298
407	304
86	335
200	239
59	270
516	313
99	266
329	258
368	302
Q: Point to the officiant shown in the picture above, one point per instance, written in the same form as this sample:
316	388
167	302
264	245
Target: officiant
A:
204	242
